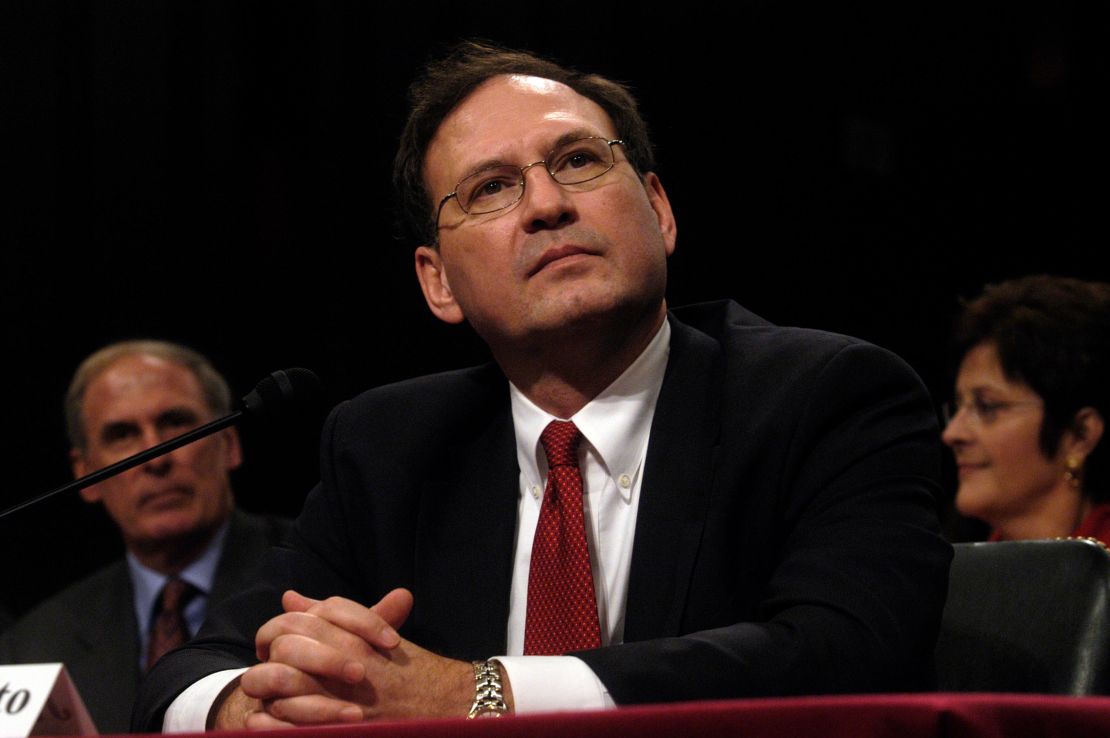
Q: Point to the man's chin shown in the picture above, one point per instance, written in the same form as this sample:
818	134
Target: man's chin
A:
172	528
167	501
585	302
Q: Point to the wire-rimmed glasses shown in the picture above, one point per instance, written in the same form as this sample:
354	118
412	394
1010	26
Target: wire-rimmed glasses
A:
501	186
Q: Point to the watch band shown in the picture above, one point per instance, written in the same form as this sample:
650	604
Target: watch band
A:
489	701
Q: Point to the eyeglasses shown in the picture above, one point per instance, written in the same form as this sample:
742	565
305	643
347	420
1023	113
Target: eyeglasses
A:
980	411
498	187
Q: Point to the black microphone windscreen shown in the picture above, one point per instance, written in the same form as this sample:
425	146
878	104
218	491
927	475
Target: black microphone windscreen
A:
281	391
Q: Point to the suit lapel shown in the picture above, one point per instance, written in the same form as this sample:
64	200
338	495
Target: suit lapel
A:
109	637
467	524
678	473
243	546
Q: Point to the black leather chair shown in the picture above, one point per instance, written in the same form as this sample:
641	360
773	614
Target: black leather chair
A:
1027	616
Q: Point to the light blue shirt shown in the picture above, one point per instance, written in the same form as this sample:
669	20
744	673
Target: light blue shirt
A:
148	584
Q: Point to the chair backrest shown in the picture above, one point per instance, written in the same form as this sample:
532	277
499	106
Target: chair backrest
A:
1027	616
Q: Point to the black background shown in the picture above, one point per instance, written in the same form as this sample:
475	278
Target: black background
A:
218	173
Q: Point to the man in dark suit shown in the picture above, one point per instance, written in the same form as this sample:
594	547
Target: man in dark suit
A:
175	514
757	502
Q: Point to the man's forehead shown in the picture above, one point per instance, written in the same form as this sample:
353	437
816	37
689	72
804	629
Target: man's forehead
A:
137	376
539	85
509	109
511	101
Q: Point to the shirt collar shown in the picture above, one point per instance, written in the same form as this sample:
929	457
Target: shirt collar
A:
148	583
615	425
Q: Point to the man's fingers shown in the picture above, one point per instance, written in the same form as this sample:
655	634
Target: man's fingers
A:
312	709
376	625
295	622
290	697
395	607
265	721
294	601
325	633
273	680
315	658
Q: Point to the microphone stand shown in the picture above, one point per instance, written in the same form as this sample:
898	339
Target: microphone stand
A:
132	461
266	398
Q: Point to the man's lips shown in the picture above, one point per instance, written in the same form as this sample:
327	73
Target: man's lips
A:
169	495
556	253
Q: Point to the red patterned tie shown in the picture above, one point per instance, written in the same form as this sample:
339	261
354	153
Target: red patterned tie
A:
562	607
168	631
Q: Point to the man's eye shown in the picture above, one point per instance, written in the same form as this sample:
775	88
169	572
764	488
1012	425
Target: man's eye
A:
575	159
178	419
117	433
491	188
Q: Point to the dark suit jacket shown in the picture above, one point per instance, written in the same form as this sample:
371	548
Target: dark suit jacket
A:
91	628
787	538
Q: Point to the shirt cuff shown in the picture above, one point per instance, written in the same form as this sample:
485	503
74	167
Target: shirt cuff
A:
553	684
188	713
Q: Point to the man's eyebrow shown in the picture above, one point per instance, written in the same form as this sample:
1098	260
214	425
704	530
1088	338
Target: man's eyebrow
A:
178	415
565	138
484	164
574	135
117	429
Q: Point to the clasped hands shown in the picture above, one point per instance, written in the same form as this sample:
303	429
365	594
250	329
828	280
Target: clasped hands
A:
337	661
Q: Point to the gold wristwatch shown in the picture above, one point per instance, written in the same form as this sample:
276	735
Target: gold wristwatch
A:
489	700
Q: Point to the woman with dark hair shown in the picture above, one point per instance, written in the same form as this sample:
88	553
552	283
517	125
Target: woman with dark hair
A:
1030	408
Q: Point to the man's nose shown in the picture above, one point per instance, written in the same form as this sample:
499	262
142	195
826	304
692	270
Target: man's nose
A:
160	465
547	204
152	436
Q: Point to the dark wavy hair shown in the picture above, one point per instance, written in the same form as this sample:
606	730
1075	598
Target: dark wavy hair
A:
1053	334
446	82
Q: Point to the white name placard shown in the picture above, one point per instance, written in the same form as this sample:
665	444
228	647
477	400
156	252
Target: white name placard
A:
40	699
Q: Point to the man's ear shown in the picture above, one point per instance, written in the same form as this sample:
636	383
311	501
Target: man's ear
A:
431	273
80	467
233	452
657	196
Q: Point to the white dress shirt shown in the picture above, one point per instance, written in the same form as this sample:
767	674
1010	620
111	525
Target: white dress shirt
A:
615	427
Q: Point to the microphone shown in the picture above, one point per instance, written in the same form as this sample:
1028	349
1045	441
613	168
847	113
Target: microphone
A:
275	395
